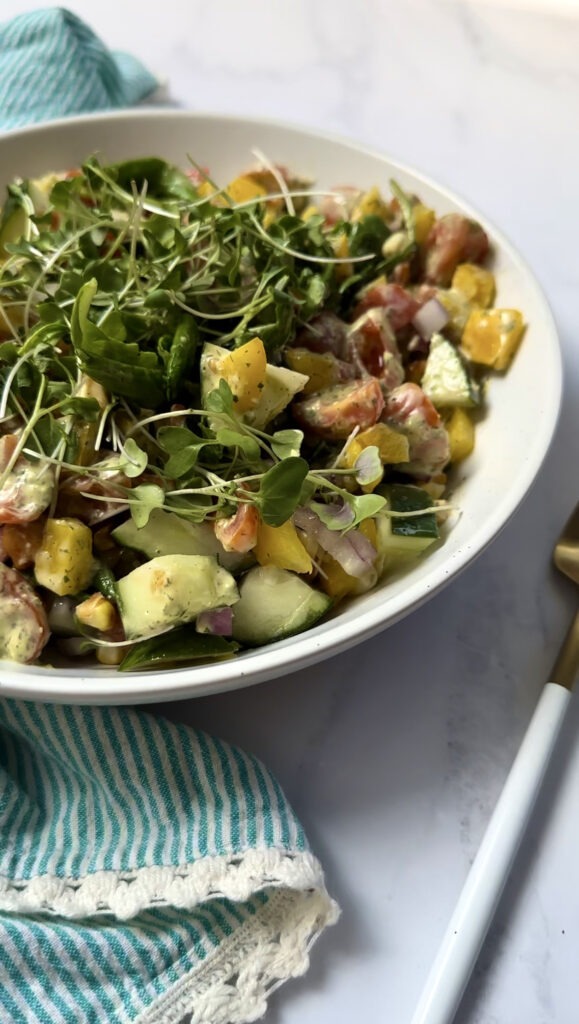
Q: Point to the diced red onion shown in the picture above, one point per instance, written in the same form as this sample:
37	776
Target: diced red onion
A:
352	550
341	514
218	621
431	317
104	511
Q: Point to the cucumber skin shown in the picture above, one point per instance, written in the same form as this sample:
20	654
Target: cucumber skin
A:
410	498
257	620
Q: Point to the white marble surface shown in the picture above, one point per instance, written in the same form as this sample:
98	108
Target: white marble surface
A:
394	754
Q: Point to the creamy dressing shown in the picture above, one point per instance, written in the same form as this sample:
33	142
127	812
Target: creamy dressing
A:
26	493
19	629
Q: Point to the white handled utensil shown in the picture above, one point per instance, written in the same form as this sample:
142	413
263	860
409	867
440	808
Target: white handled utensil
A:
478	900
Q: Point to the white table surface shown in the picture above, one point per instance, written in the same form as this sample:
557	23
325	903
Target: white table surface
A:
393	755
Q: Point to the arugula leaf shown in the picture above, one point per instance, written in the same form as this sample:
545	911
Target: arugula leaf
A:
181	355
48	433
405	204
368	236
163	180
121	367
86	409
179	645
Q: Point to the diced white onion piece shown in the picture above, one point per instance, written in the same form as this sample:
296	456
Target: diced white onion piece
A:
430	318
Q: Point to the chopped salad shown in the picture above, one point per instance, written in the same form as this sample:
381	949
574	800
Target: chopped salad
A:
223	410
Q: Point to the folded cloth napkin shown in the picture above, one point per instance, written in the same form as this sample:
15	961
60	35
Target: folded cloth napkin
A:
147	871
53	65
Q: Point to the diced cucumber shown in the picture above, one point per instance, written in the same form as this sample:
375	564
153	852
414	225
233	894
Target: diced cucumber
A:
172	590
446	380
167	533
280	386
274	604
401	538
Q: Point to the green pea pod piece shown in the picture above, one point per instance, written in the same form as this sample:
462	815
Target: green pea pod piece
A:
104	580
180	645
181	354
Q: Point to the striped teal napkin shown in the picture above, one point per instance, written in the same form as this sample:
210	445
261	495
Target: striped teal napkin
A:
53	65
147	872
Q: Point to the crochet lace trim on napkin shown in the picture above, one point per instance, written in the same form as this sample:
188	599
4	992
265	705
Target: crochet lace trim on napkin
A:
233	986
126	893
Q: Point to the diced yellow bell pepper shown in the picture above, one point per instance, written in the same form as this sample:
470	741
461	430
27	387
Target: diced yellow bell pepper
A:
244	188
205	189
110	656
341	249
64	562
392	448
458	308
435	487
424	218
281	546
371	204
310	211
335	581
460	429
270	215
392	445
96	612
244	369
320	367
492	336
476	283
368	528
86	433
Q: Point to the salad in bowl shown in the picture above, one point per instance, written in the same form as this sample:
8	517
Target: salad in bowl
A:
226	408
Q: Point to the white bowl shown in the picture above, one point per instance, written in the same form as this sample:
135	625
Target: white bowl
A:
511	444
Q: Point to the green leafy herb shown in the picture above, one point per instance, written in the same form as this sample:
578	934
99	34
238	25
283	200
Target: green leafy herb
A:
122	367
144	499
180	645
280	489
287	443
136	459
405	204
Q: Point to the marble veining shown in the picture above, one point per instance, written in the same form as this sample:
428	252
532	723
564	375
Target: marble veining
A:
394	753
